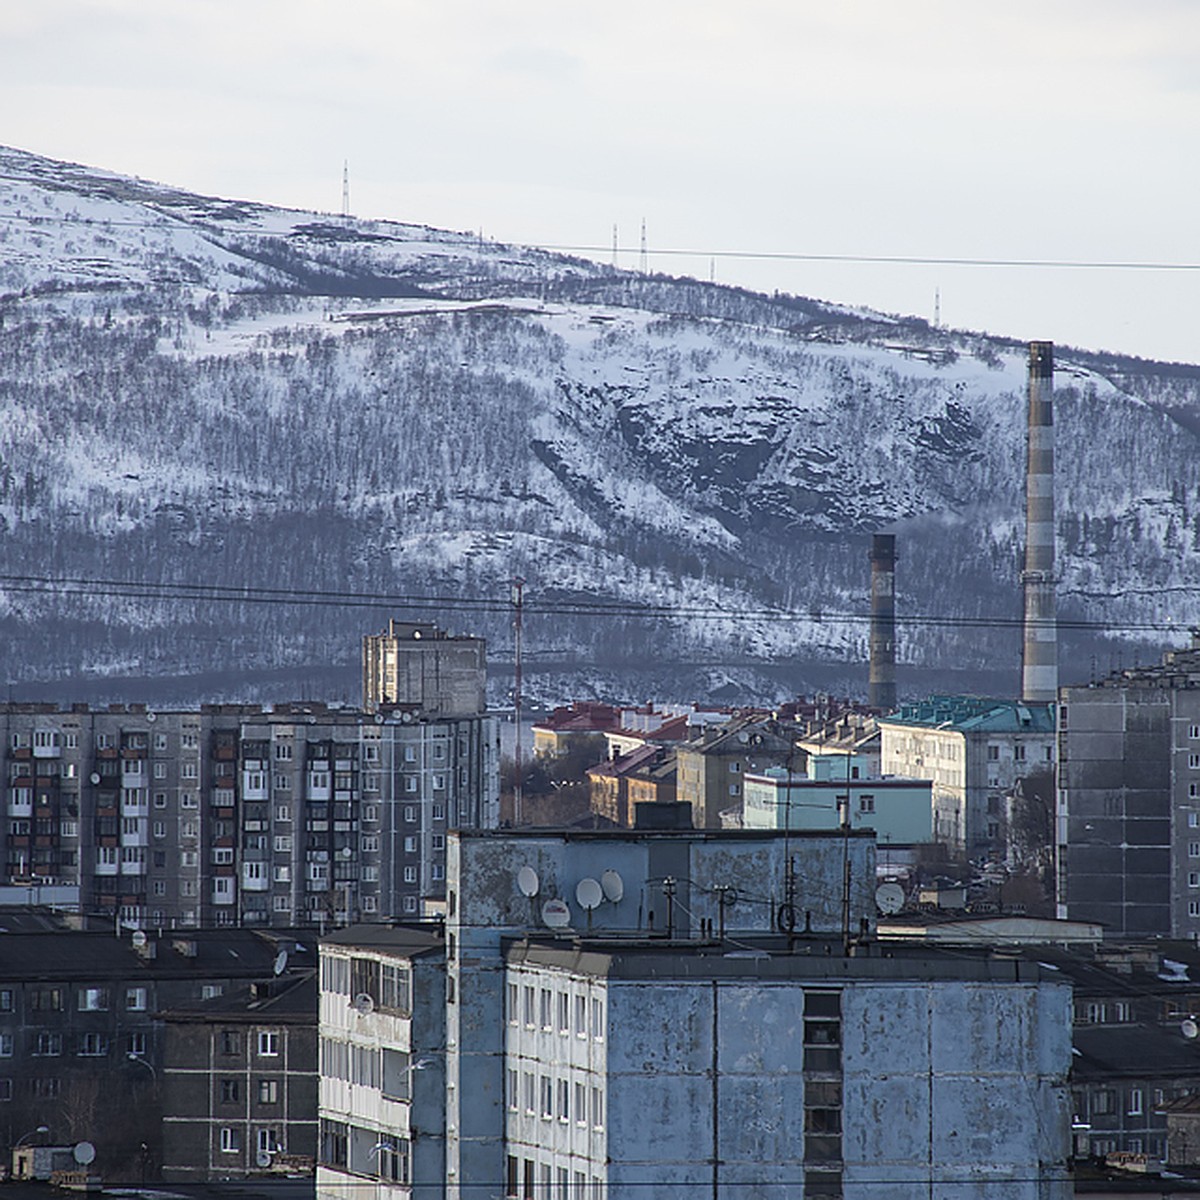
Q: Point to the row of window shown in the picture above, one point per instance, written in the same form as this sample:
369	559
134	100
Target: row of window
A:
268	1042
526	1179
549	1009
266	1140
68	739
555	1098
87	999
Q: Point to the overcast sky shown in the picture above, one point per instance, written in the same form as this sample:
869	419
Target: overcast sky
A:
1061	129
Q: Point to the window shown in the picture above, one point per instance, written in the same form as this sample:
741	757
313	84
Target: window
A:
597	1108
546	998
93	1045
1018	753
410	813
268	1142
547	1097
528	1084
580	1104
564	1013
135	1043
410	845
1194	762
866	804
511	1091
93	999
229	1091
564	1101
1194	908
6	1045
993	753
1194	732
598	1020
410	874
6	1000
268	1091
1193	879
231	1041
439	811
529	1002
1193	818
514	1004
268	1043
231	1140
581	1016
48	1045
135	999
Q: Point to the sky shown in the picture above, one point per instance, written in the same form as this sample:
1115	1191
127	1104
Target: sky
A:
1061	130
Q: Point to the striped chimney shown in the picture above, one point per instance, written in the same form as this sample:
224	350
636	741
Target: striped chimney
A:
1039	676
881	688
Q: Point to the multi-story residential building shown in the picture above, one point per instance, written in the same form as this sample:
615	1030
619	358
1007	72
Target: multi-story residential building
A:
240	1082
81	1038
973	750
232	814
1128	808
832	791
421	666
661	1037
382	1112
710	769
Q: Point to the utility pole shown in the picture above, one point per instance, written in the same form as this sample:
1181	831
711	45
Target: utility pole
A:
346	187
518	602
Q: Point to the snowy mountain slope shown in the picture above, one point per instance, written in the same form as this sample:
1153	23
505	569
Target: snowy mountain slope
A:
196	390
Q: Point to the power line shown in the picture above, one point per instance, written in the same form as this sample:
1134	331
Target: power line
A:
547	605
169	219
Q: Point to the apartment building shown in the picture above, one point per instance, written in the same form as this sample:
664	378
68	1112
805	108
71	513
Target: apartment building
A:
417	665
973	750
236	814
1127	837
382	1110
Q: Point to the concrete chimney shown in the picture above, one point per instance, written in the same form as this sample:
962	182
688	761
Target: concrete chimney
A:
1039	675
881	692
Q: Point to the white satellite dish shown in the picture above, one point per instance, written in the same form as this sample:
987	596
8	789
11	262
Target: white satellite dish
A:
138	939
364	1004
84	1153
263	1158
280	962
889	898
151	717
613	885
94	777
589	893
1189	1028
528	882
556	914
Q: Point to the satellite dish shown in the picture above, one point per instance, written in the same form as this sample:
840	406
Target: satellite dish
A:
138	939
151	717
94	777
889	898
84	1153
528	882
613	885
589	894
364	1004
556	914
263	1158
1189	1028
280	962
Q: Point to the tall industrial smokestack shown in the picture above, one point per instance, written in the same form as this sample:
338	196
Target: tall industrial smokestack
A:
881	692
1039	676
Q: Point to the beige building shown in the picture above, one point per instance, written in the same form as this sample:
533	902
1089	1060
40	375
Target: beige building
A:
421	665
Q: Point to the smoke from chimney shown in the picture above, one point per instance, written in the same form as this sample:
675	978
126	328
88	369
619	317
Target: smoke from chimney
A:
1039	674
881	690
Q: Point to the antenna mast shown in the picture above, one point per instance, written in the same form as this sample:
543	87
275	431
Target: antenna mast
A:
614	254
518	602
937	308
642	258
345	187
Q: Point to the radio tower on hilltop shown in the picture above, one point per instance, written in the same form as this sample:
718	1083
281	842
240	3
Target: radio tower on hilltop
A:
345	187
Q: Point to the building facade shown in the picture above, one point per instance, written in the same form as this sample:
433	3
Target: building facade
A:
240	1082
233	814
382	1064
419	666
1127	837
973	750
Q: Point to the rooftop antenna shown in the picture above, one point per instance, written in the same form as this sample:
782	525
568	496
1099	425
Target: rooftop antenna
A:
518	602
346	187
642	257
712	270
937	308
614	250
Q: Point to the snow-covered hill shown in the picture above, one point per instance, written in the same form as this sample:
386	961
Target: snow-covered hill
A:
197	391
